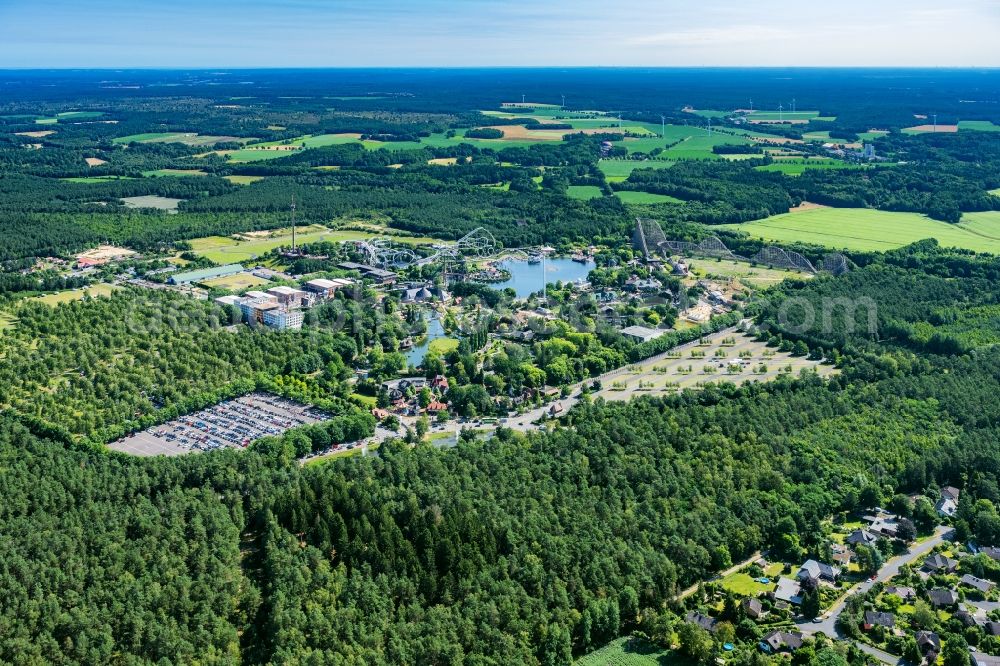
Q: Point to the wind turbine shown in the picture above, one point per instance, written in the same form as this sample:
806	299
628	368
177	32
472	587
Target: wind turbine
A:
793	105
563	102
751	105
710	125
935	121
781	116
663	126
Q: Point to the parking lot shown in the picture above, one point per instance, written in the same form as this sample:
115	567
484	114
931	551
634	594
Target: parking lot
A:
230	424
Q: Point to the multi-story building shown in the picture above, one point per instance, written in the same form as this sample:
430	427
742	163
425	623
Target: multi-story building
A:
283	319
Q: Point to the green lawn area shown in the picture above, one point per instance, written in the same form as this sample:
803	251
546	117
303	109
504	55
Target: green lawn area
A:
226	250
157	137
743	585
978	125
619	170
584	192
866	229
797	167
699	145
368	400
174	172
77	294
628	651
95	179
243	180
79	115
758	276
995	192
784	115
236	282
442	346
631	197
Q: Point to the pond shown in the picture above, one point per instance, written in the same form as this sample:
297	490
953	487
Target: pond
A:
435	330
526	278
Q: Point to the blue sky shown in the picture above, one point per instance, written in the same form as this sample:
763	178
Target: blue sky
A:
356	33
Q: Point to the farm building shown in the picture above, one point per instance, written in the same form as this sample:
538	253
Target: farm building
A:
205	274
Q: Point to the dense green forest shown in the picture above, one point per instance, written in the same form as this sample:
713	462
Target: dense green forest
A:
518	549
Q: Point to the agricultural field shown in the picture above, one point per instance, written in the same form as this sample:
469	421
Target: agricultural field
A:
866	229
783	116
186	138
616	171
226	250
796	167
585	192
978	126
243	180
727	356
70	295
930	128
641	198
237	282
90	180
995	192
632	651
699	146
180	173
152	201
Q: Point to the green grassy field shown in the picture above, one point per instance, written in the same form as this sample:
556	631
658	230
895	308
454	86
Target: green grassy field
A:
757	276
797	167
645	198
784	115
629	651
442	346
95	179
699	145
864	229
978	125
79	115
225	250
236	282
152	201
179	173
243	180
77	294
995	192
585	192
618	170
187	138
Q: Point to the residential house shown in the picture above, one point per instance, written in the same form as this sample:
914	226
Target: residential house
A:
940	564
752	608
877	619
815	571
396	388
928	642
965	617
983	659
951	492
991	552
983	586
789	591
781	641
904	593
946	507
992	628
704	621
861	537
942	597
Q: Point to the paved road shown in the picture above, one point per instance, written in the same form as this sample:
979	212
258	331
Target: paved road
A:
881	655
828	620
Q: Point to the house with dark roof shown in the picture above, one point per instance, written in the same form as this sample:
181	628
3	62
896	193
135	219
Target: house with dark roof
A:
781	641
815	571
704	621
877	619
940	564
928	642
991	552
992	628
983	586
861	537
965	617
941	597
904	593
950	492
752	608
983	659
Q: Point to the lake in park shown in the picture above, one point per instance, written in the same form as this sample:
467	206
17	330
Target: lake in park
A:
434	331
526	278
